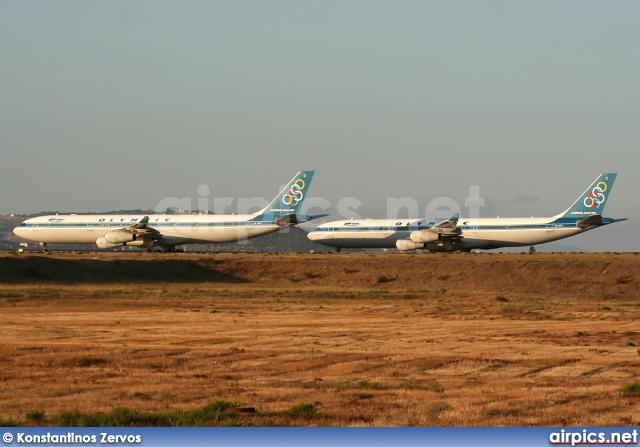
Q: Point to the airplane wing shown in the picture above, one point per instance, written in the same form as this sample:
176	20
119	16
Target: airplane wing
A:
595	220
444	235
447	227
142	228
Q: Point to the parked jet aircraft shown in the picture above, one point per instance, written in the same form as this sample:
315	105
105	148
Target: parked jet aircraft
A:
481	233
169	230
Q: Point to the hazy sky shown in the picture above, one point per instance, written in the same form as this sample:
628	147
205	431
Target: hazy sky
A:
119	104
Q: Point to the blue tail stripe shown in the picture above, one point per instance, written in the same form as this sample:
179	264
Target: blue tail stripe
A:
289	200
594	199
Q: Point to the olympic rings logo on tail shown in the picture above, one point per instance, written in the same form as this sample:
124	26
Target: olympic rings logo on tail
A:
596	197
294	195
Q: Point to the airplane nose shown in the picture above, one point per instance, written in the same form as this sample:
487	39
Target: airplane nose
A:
17	230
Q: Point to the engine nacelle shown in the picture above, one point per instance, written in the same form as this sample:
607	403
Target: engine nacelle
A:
119	237
406	244
101	242
424	236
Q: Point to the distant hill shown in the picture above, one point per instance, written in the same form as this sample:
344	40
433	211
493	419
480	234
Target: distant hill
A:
288	240
8	240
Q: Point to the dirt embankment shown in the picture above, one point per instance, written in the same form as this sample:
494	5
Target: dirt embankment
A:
603	276
592	276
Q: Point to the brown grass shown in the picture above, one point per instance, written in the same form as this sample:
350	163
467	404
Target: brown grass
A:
503	340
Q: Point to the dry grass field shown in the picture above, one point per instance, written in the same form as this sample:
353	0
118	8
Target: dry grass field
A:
339	340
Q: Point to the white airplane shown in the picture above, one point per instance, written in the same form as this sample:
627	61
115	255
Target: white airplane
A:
482	233
169	230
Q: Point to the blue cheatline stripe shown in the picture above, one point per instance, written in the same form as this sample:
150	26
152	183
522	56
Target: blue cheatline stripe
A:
155	225
561	223
462	227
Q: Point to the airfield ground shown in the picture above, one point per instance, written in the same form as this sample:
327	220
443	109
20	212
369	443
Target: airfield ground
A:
331	339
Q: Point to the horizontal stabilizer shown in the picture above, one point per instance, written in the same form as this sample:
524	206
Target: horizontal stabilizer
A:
287	220
590	221
307	218
295	219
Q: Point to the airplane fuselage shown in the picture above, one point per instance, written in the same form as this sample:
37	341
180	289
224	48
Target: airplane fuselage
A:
177	228
482	233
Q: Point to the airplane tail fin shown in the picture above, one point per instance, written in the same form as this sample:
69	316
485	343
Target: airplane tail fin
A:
593	200
284	208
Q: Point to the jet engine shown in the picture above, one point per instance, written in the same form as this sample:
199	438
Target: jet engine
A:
133	240
424	236
101	242
119	237
405	245
141	241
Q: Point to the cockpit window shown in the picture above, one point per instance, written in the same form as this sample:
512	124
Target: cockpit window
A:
23	224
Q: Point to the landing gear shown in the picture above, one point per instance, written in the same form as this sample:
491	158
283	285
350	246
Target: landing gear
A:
338	249
44	247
